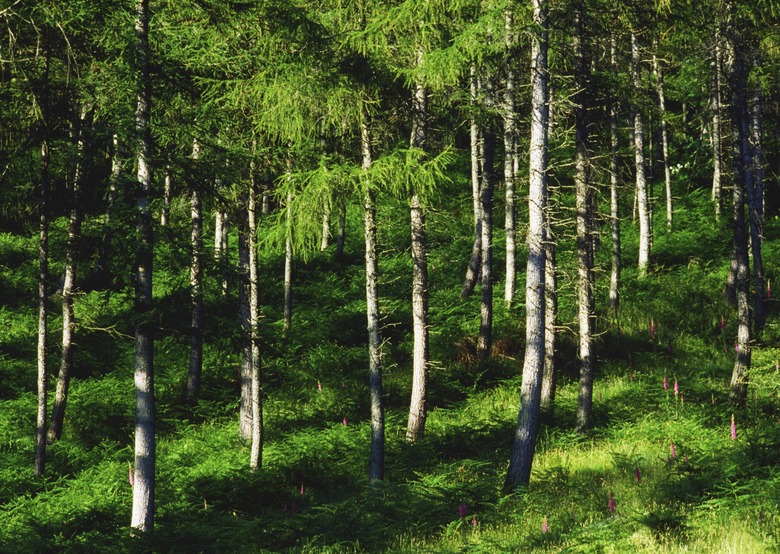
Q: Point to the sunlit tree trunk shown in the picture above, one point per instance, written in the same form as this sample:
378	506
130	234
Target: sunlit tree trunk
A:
484	343
715	106
475	261
639	159
755	199
288	265
519	472
245	367
325	237
547	402
68	286
418	404
221	235
614	205
377	449
256	451
659	85
145	457
196	284
167	196
510	160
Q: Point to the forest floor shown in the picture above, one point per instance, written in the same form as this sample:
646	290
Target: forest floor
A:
679	480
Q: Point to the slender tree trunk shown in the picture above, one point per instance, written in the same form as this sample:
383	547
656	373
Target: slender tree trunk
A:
755	199
510	155
288	266
614	204
325	237
583	217
68	322
221	235
475	261
43	297
519	472
743	178
167	196
484	343
196	285
717	155
659	84
145	457
341	238
639	158
256	452
418	403
377	449
245	368
547	402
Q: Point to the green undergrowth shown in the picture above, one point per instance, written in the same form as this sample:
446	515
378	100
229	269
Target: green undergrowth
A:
679	480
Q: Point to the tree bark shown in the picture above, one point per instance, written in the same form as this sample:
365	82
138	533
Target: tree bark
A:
639	159
377	448
342	235
547	401
484	343
659	85
614	204
196	284
145	459
68	322
167	196
755	198
510	161
256	452
245	368
325	237
715	102
418	404
288	266
221	236
519	472
475	260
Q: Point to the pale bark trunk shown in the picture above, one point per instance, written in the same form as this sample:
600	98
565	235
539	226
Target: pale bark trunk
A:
484	343
196	286
475	260
418	404
519	472
583	218
288	266
221	235
245	368
614	205
510	155
377	448
325	237
659	83
167	195
145	458
68	323
639	159
43	313
256	451
717	152
547	401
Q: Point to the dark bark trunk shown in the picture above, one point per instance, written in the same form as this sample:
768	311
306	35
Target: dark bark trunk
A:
755	198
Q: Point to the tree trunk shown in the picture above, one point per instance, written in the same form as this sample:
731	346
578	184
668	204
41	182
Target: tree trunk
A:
221	235
245	368
510	158
417	405
68	323
614	204
717	153
639	159
196	285
475	260
377	449
145	458
519	472
743	178
256	452
325	237
167	195
659	84
583	217
547	402
288	267
755	199
484	343
43	301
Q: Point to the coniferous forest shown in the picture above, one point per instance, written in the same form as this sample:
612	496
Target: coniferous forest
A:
389	276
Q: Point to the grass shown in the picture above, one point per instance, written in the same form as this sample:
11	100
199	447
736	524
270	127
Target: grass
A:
716	495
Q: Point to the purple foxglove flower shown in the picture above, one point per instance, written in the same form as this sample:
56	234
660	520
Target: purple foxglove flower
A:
545	525
673	449
733	428
463	510
303	490
666	382
344	421
611	504
676	387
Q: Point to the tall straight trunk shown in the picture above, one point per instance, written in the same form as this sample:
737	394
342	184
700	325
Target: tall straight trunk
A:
715	106
510	158
755	198
583	217
659	84
43	301
484	343
196	285
221	235
475	260
376	462
288	265
325	237
145	442
418	404
639	160
256	450
547	402
165	215
614	204
68	322
342	233
743	182
245	367
519	472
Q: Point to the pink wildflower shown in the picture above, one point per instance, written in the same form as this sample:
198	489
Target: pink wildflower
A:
736	347
673	449
303	490
611	503
722	323
130	476
733	428
666	382
676	387
319	386
473	521
463	510
344	421
545	525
